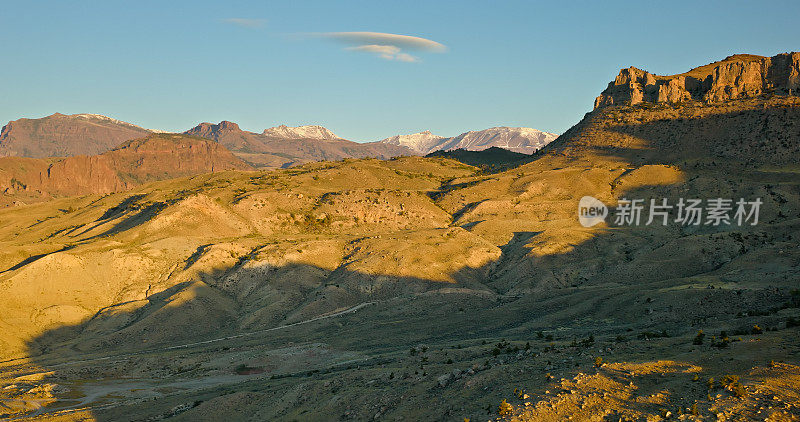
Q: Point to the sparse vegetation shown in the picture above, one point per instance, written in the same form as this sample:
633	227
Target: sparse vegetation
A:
505	408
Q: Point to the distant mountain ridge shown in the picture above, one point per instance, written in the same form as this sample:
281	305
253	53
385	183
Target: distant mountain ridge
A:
284	146
60	135
518	139
421	142
301	132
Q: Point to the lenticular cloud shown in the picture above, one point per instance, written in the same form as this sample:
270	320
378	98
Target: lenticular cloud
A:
386	46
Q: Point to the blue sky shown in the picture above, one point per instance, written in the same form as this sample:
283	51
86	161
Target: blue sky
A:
170	65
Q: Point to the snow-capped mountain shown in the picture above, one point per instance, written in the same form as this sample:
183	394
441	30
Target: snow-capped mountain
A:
106	119
300	132
518	139
422	142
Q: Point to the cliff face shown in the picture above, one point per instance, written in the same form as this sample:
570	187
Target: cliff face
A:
156	157
738	76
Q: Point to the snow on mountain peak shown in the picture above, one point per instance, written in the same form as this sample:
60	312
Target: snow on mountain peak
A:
519	139
100	117
421	142
301	132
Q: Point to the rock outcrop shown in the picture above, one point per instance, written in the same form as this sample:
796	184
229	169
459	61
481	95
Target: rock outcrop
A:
738	76
156	157
213	131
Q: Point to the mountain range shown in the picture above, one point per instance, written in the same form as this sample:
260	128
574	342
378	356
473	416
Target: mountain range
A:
518	139
283	146
60	135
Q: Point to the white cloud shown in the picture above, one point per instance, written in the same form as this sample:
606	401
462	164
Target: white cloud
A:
386	46
403	57
387	52
379	38
246	23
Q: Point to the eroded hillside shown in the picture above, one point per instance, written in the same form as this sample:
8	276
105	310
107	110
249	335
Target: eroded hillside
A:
423	288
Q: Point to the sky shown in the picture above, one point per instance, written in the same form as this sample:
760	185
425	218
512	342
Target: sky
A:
463	65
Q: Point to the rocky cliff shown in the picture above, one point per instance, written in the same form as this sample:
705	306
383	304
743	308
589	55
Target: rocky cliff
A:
738	76
156	157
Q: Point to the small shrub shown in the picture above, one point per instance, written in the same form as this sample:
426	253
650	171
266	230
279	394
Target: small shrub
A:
698	339
732	384
723	341
729	380
505	408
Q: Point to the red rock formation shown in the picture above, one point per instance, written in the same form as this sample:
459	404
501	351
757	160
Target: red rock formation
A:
739	76
156	157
